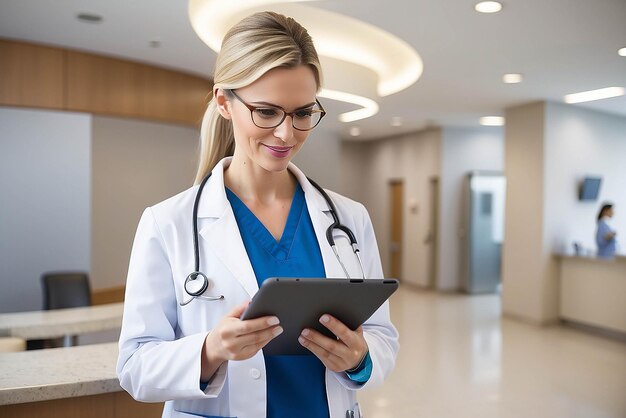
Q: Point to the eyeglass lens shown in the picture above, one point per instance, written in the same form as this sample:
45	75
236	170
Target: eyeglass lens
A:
270	117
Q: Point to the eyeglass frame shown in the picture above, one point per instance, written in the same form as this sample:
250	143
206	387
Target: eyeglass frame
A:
252	108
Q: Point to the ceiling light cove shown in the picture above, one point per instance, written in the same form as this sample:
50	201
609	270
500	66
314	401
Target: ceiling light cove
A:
395	64
588	96
369	107
488	7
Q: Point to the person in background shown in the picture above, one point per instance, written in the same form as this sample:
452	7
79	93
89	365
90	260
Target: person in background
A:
605	235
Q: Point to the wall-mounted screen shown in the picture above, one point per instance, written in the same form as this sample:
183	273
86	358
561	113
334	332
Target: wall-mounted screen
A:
590	188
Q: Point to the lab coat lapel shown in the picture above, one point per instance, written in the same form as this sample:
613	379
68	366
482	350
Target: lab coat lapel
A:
321	219
220	232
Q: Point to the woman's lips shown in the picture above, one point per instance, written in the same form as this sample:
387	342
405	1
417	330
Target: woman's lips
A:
278	152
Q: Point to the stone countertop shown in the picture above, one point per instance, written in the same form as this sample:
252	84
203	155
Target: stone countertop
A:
39	375
61	322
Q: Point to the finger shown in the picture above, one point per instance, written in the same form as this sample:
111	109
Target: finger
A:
338	328
330	360
259	337
258	324
329	344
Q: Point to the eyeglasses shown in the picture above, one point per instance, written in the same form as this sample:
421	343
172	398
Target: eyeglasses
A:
269	117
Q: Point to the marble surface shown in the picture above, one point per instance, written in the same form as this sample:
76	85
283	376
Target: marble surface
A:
61	322
56	373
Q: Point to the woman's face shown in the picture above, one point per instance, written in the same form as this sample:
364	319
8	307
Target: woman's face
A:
271	149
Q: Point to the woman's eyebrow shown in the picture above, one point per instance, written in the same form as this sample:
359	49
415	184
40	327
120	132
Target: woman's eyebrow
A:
280	107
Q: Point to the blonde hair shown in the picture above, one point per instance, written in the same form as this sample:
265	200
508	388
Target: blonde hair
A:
252	47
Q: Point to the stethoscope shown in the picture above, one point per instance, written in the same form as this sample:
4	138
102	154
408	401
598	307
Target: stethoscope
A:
197	282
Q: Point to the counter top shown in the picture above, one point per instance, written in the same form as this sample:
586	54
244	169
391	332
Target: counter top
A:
61	322
39	375
618	257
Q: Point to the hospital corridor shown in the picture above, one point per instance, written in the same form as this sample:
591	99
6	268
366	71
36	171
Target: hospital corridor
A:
460	358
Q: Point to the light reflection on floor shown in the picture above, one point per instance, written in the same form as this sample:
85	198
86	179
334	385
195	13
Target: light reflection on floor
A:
458	358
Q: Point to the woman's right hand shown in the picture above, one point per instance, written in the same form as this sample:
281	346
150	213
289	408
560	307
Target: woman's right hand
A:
234	339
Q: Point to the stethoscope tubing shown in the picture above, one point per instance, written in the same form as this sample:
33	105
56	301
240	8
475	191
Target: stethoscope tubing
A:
193	276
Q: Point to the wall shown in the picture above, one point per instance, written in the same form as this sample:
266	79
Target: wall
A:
463	150
582	142
550	147
320	158
523	257
367	169
135	164
45	206
34	75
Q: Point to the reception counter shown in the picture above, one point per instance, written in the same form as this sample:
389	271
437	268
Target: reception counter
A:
69	382
593	292
61	322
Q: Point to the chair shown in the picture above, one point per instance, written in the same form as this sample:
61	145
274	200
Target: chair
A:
64	290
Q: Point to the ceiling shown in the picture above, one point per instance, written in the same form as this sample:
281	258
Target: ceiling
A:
560	46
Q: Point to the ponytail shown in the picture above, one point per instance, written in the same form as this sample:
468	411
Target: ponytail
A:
216	140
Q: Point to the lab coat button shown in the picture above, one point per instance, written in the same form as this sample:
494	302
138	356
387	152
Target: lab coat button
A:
255	373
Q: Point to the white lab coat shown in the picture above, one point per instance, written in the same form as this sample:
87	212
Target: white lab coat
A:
161	341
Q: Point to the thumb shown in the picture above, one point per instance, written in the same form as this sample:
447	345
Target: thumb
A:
238	310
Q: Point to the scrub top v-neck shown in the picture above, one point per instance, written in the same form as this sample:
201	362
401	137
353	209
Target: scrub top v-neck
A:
295	384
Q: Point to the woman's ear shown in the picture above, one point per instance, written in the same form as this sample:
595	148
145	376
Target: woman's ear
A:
223	104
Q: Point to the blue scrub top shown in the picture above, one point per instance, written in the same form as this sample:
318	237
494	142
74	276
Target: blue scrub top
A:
606	247
295	384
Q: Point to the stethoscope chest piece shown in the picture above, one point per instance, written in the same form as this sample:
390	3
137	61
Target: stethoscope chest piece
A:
196	284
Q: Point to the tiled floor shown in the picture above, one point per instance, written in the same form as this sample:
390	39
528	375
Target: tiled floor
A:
459	358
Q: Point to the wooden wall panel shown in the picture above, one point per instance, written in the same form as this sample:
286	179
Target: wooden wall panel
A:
109	295
30	75
114	87
169	95
102	85
39	76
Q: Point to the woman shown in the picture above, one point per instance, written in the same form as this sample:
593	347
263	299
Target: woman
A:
258	217
605	236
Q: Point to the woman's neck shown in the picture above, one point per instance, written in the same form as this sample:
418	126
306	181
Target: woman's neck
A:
252	182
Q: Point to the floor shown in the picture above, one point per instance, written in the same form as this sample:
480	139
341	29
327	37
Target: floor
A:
459	358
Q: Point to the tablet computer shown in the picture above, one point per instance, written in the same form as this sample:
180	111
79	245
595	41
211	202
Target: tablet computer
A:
300	302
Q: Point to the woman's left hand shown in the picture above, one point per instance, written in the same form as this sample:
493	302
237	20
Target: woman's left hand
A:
338	355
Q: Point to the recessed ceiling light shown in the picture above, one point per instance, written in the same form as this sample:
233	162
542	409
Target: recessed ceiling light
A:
396	121
512	78
622	51
89	17
492	121
587	96
488	7
355	131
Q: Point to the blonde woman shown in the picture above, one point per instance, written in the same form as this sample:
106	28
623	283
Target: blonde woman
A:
257	216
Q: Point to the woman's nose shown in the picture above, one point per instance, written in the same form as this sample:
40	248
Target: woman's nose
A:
284	131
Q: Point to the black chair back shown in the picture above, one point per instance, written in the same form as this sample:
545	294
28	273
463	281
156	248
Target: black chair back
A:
65	290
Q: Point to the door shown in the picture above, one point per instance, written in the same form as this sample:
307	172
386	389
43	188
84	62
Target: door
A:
431	241
396	193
